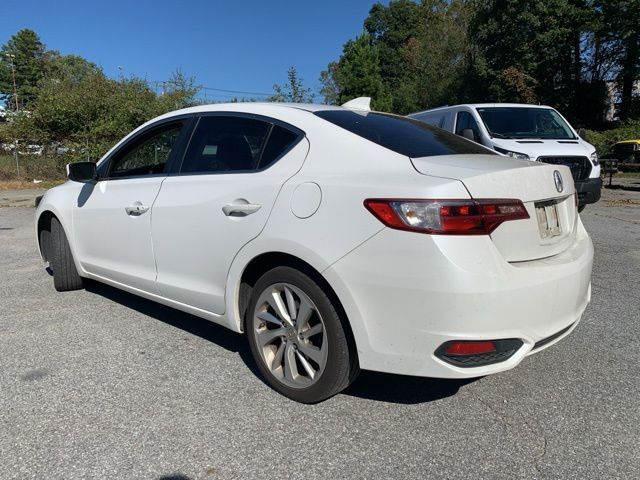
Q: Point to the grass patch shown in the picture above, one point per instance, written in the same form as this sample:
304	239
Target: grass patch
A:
38	167
22	185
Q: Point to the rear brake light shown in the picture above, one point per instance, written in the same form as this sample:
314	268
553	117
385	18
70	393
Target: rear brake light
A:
448	217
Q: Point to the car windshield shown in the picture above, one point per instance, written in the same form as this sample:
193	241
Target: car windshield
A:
401	134
525	122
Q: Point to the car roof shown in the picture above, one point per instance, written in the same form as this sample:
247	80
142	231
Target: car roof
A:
297	114
629	141
483	105
248	106
280	110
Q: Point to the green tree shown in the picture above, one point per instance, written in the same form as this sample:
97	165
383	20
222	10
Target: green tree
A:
619	32
421	50
330	89
71	68
178	92
439	53
543	56
358	74
22	55
91	112
393	29
293	91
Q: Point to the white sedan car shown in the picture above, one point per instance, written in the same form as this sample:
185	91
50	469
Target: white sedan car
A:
335	238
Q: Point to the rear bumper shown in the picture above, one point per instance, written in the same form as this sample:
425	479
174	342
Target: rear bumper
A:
406	294
588	190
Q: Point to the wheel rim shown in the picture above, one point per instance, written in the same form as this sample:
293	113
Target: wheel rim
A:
290	335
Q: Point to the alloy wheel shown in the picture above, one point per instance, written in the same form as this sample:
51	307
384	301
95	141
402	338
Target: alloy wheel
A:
290	335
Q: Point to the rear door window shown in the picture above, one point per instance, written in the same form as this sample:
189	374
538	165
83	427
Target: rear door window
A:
231	143
403	135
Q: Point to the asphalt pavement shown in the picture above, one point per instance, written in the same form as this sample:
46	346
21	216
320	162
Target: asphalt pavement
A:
102	384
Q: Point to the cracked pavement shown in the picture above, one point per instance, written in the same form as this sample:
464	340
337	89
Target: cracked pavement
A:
100	383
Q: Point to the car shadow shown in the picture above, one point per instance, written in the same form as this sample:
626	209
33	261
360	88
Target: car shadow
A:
200	327
402	389
85	193
383	387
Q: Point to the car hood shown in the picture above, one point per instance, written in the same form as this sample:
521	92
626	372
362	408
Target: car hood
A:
542	148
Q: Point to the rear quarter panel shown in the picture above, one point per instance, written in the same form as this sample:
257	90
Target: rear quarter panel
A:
348	169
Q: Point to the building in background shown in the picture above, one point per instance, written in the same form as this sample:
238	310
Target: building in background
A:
614	99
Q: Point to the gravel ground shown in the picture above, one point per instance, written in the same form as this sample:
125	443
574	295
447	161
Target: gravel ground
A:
102	384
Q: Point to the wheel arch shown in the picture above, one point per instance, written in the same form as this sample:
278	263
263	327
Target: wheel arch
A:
45	213
264	262
44	223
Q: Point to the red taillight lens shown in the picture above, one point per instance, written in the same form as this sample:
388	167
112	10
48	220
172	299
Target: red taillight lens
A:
470	347
449	217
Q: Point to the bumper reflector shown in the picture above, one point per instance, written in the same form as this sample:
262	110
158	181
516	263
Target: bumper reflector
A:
477	353
469	347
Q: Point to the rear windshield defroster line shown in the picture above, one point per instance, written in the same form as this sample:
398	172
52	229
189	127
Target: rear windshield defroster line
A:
403	135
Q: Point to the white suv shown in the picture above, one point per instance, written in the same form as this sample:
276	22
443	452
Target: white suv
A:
525	132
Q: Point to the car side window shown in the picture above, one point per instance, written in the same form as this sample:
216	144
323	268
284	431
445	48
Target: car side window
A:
464	121
147	155
280	140
226	144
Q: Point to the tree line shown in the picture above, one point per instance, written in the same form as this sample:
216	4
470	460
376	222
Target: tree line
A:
411	55
571	54
68	100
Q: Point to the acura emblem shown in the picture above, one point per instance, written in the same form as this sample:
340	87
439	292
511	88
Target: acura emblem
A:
558	179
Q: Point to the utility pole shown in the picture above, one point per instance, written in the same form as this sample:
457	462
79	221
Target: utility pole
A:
12	57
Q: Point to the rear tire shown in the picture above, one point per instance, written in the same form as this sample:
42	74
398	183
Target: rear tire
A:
65	274
581	208
307	358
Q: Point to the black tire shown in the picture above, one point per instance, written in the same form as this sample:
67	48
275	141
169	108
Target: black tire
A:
45	244
341	364
581	208
65	274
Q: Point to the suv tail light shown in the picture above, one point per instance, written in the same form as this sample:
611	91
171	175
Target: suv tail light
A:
446	217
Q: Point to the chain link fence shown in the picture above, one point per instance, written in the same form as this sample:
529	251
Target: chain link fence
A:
28	162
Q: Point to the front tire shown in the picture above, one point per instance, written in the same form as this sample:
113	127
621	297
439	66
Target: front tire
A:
297	337
65	274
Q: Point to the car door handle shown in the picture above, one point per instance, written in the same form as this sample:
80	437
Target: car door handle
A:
240	209
136	209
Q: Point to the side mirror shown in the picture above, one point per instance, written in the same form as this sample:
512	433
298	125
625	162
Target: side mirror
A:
82	172
468	134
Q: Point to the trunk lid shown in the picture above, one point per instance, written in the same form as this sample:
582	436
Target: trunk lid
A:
551	226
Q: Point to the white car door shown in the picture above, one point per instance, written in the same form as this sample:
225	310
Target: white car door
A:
112	218
231	175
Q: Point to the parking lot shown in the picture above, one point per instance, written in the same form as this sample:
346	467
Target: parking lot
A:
102	384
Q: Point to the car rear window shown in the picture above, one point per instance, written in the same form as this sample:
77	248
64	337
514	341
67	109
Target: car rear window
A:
403	135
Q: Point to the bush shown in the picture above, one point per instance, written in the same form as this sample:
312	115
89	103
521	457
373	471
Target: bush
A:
604	140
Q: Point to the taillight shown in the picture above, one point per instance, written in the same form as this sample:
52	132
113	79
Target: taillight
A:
446	217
